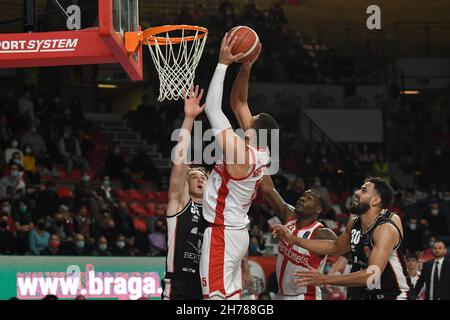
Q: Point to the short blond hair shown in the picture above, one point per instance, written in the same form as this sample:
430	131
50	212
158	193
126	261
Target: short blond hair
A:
202	170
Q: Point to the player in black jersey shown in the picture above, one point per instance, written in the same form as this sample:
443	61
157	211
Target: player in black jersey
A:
374	241
185	223
357	293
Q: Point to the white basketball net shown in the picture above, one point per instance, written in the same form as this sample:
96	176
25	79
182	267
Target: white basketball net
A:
176	64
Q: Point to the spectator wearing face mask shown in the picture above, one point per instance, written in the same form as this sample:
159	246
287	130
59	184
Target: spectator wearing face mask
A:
85	193
26	108
7	239
70	152
23	225
414	235
321	190
121	248
158	239
80	247
14	147
101	249
29	165
17	159
39	238
54	247
12	186
436	221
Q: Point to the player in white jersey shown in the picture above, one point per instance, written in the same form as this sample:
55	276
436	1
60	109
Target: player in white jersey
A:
230	189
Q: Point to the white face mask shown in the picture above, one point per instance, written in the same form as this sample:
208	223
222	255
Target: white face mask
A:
435	212
120	244
14	144
102	247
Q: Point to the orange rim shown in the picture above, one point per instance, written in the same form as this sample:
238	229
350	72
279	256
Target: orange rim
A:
150	35
133	40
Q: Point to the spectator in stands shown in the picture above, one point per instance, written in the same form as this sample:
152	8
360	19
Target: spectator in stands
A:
322	190
26	108
436	220
160	213
82	223
121	249
7	239
35	139
29	165
85	193
157	239
80	297
110	232
17	158
105	191
116	166
412	264
23	225
79	246
12	186
58	226
143	165
6	209
295	189
14	147
123	220
414	235
50	297
48	201
70	152
101	249
39	238
54	247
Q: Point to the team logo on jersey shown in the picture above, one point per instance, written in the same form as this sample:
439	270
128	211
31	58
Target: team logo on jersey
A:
366	251
306	235
195	213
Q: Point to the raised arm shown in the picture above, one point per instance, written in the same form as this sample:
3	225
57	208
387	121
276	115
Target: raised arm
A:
178	187
274	199
335	247
239	95
234	149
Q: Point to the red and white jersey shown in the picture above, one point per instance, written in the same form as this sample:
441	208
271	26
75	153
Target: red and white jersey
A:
293	258
226	200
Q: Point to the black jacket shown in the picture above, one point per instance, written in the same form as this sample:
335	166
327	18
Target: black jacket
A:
425	279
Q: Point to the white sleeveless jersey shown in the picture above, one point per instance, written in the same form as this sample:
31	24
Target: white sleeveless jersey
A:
226	200
293	258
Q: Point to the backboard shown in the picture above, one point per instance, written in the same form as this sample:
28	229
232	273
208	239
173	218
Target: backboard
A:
100	44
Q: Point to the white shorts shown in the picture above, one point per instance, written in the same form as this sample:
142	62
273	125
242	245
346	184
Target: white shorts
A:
220	262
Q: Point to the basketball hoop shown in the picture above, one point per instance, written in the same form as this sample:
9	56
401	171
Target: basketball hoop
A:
176	57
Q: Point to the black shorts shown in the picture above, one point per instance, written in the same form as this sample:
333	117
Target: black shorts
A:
181	290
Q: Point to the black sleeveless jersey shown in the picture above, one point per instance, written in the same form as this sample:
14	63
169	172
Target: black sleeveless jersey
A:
356	293
184	243
395	282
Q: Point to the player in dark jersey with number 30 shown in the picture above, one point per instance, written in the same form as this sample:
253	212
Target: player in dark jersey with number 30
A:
374	241
185	222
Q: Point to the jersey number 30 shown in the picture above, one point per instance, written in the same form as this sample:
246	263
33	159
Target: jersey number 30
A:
356	235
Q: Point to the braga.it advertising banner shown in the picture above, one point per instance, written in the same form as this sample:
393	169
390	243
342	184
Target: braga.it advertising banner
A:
122	278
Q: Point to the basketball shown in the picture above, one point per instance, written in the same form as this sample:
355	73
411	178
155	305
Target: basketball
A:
247	43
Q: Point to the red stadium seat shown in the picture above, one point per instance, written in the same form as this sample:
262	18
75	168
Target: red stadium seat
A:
138	209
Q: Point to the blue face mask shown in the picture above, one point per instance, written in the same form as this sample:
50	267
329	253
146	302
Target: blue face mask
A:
253	248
